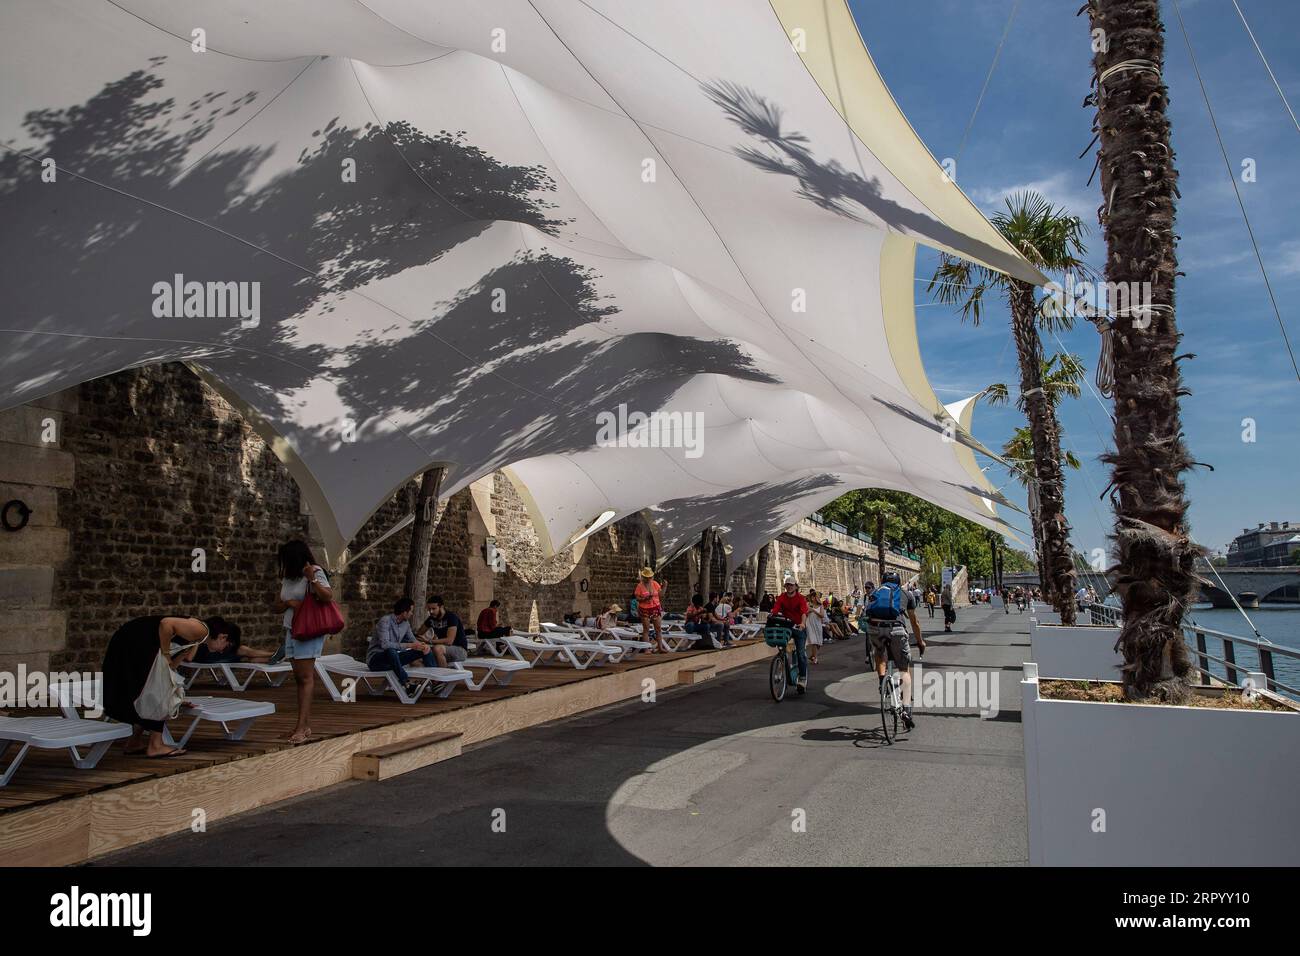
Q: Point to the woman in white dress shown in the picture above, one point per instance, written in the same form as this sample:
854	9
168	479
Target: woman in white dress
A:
814	624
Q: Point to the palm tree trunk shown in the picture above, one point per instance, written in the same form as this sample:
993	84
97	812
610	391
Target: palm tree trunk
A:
1059	569
1036	527
706	561
760	576
417	564
1155	555
1044	579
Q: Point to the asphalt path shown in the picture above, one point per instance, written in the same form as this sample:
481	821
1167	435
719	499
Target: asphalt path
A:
713	774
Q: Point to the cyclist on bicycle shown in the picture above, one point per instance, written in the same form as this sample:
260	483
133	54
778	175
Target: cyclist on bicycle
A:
884	620
793	606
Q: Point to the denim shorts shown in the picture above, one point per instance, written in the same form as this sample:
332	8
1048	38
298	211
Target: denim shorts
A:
302	650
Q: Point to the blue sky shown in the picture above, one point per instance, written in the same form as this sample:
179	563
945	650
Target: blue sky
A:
934	55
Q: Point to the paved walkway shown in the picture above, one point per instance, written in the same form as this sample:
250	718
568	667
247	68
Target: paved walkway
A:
709	774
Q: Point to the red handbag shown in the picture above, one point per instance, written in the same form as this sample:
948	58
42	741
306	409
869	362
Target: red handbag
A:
316	618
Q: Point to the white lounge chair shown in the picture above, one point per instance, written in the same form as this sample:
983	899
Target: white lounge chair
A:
376	682
494	646
224	674
536	649
630	646
669	640
235	715
58	733
500	670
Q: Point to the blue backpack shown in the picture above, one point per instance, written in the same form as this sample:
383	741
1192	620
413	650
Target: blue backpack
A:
886	603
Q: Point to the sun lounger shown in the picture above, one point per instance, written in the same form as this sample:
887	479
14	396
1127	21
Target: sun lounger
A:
235	715
536	649
670	640
225	673
58	733
376	682
630	646
494	646
499	670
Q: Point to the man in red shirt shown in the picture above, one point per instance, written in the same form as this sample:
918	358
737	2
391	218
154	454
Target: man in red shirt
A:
487	623
793	606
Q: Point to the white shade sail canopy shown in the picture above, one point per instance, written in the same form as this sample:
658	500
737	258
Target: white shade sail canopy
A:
400	233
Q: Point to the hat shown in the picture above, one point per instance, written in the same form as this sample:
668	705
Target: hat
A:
790	580
647	573
615	608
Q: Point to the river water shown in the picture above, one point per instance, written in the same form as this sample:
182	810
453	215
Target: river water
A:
1279	623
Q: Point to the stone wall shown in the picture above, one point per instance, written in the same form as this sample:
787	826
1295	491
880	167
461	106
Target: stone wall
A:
150	494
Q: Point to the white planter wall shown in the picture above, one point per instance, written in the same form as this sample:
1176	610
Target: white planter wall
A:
1078	653
1044	615
1179	786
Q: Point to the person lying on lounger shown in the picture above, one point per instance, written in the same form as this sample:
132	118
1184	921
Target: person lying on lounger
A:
223	645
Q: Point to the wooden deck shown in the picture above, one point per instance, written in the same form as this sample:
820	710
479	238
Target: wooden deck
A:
52	814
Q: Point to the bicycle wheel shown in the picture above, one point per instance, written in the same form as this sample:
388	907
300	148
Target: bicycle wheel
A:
884	708
895	698
779	679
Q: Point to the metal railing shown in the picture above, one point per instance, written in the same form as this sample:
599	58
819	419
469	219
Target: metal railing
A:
1234	670
1104	615
1264	651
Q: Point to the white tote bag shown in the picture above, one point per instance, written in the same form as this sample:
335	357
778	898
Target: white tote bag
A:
163	692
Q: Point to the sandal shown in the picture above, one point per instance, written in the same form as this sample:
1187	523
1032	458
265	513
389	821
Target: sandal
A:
295	739
171	753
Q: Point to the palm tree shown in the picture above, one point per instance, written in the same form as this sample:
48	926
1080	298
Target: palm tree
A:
1052	241
1061	375
1154	553
1018	450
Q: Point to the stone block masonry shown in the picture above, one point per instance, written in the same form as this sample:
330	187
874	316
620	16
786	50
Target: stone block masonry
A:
149	494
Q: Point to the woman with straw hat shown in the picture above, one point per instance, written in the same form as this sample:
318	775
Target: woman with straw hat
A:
648	607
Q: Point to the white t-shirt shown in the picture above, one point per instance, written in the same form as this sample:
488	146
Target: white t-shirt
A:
722	610
296	591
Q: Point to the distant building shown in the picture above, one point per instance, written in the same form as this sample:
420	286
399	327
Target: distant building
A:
1265	546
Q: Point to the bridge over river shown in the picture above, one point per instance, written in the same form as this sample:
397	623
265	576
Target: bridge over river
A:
1249	585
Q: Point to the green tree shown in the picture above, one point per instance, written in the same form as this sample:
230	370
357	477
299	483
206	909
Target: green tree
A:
1052	241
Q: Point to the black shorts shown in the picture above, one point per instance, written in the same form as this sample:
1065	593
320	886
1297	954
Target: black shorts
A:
889	636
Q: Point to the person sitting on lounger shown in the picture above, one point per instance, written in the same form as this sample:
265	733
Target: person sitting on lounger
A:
223	645
609	618
488	627
449	640
695	623
724	617
392	645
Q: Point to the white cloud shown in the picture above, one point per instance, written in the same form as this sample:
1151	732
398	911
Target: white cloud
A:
1062	188
1289	254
